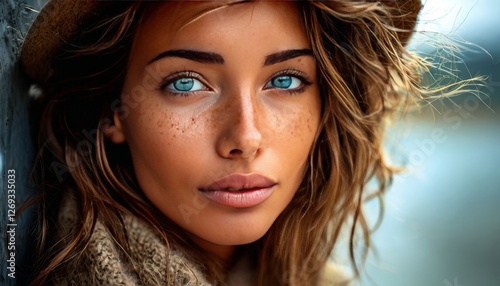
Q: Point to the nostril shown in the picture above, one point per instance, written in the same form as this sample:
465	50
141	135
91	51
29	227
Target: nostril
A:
236	152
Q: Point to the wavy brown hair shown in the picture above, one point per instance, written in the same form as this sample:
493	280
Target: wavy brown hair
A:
364	72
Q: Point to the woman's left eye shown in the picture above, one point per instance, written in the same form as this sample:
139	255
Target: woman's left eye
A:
185	84
284	82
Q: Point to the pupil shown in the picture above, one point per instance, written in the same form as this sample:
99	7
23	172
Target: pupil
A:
184	84
283	81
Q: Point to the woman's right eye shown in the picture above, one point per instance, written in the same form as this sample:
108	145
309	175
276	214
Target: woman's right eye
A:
182	85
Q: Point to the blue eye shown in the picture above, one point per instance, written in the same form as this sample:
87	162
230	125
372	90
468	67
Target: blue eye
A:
284	82
185	84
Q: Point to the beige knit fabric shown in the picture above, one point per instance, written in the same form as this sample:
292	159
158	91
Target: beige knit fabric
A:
103	263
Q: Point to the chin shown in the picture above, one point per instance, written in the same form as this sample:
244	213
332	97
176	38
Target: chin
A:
244	233
241	239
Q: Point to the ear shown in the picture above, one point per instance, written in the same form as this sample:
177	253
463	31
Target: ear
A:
114	131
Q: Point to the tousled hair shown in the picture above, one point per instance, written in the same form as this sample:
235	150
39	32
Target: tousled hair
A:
365	74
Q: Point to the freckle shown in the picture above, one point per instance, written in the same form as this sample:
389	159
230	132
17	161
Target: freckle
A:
309	124
192	120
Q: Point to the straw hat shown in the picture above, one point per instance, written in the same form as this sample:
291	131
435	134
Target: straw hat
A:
59	20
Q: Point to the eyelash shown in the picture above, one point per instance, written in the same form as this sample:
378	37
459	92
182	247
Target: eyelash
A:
305	81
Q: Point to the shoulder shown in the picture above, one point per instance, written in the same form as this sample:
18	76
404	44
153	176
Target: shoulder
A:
333	275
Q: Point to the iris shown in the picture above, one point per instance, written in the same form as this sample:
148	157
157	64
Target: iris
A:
183	84
282	81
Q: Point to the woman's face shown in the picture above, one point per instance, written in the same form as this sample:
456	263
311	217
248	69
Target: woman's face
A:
220	113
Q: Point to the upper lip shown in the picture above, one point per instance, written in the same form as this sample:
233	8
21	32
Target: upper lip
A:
240	182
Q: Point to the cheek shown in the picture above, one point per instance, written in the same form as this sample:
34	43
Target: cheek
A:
153	135
291	134
305	125
150	123
168	146
296	125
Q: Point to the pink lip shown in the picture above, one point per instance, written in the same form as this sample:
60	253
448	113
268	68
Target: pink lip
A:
240	191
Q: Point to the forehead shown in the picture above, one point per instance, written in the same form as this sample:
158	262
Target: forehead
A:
188	23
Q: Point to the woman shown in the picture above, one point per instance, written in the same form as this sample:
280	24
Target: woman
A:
210	143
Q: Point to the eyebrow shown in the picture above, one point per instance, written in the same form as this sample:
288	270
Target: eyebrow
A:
197	56
286	55
213	58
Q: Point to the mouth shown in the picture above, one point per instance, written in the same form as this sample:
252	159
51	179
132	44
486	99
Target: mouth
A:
240	191
239	183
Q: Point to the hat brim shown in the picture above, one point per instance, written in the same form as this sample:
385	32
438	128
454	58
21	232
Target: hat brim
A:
56	23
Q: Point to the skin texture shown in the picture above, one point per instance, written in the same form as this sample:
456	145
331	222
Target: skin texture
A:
236	122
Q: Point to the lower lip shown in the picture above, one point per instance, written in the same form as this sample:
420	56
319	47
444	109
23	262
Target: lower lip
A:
239	199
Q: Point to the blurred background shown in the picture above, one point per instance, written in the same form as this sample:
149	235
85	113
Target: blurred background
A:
442	216
441	225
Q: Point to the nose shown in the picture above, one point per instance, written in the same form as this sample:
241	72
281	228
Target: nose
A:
240	136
